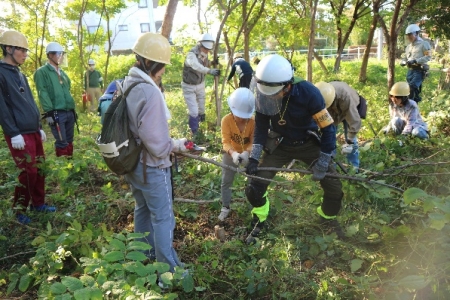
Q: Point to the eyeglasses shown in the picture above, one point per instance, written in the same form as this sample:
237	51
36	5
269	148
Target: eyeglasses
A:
396	97
23	50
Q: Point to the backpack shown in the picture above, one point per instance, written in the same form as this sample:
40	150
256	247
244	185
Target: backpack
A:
362	107
117	144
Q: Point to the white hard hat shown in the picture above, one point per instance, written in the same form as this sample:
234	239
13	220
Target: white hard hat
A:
207	41
328	92
91	62
273	73
54	47
412	29
242	103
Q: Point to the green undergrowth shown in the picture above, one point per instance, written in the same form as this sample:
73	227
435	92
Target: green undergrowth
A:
397	241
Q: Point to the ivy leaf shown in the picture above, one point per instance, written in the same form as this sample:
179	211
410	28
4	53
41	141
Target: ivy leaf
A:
136	256
72	283
355	265
58	288
414	282
114	256
412	194
188	283
25	281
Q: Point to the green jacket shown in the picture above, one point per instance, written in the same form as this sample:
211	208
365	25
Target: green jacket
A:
53	93
95	79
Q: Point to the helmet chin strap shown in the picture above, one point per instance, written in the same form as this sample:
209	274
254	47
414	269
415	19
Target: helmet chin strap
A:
144	66
12	55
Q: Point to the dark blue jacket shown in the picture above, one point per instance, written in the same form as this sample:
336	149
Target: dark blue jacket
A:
304	101
241	67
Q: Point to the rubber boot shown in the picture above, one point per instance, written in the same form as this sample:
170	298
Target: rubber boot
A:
70	149
193	124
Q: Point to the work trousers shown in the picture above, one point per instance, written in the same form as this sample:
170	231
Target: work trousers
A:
65	126
194	96
31	177
94	94
415	79
227	179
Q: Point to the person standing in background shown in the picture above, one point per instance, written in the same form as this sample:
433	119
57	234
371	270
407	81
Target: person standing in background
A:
93	85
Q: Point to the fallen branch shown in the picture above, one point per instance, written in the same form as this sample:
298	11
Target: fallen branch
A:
193	201
330	175
17	254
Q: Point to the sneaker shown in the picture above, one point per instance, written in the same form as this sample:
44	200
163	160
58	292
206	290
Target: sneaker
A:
23	219
332	225
43	208
224	212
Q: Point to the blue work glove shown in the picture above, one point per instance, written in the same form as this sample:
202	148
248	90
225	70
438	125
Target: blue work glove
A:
321	166
252	166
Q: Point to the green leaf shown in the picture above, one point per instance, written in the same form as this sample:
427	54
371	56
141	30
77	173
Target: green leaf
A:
161	267
58	288
96	294
82	294
355	265
166	278
87	280
72	283
38	240
117	245
136	256
114	256
14	277
414	282
412	194
188	283
137	245
135	235
25	281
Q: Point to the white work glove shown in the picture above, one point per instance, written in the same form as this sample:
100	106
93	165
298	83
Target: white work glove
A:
244	158
43	136
178	145
50	121
17	142
347	149
235	156
214	72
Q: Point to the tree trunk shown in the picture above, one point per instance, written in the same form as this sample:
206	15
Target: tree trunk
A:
169	15
366	56
311	41
320	61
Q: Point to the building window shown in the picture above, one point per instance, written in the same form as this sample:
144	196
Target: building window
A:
123	27
142	3
92	29
145	27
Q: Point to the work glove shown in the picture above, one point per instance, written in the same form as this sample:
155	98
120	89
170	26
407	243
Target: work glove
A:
178	145
252	166
244	158
50	118
347	149
17	142
43	135
235	156
411	62
214	72
403	62
321	166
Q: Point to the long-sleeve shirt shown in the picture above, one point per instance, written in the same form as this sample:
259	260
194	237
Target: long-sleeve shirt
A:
93	79
232	138
345	107
241	68
303	102
419	50
195	66
410	114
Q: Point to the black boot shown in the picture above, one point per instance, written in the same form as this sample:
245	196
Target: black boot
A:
332	225
202	117
257	226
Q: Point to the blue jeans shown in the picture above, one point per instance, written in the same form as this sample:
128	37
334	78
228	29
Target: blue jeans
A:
397	125
66	126
153	212
415	79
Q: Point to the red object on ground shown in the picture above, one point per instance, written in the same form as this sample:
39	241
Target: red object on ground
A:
189	145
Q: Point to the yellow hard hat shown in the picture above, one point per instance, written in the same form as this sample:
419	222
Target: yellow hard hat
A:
237	55
13	38
328	92
400	88
154	47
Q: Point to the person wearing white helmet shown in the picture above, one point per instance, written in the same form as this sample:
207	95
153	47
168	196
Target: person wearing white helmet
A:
53	89
237	139
294	110
404	113
417	54
243	69
93	85
342	102
20	121
151	179
196	66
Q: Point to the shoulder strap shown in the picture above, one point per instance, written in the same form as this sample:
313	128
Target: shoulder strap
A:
125	94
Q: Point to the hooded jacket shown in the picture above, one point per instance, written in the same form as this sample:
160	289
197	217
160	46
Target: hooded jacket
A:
19	113
148	114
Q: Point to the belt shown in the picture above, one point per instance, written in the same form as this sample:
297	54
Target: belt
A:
416	68
289	142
